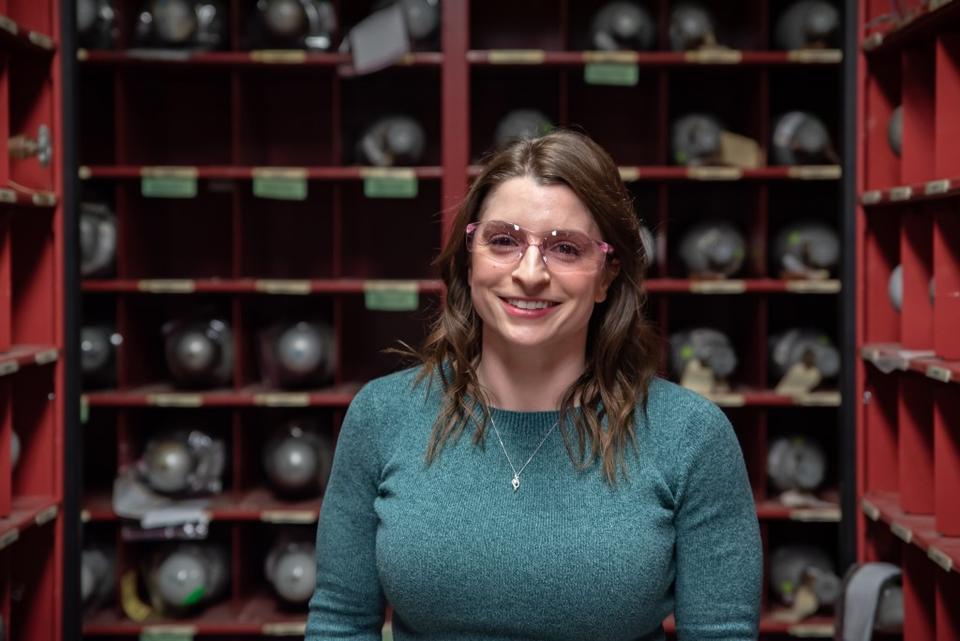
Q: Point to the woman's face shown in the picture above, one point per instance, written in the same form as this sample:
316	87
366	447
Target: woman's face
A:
498	290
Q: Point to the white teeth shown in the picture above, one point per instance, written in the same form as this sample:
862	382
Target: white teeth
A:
529	304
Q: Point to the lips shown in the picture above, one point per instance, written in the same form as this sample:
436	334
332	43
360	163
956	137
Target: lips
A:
528	307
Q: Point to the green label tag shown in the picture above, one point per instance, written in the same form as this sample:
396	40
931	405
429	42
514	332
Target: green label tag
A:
168	186
611	73
280	188
159	635
390	187
194	597
391	296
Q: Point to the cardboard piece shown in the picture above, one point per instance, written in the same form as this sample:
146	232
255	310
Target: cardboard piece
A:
379	40
740	151
799	379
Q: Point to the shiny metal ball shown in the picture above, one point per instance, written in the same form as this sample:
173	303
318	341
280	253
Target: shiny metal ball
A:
521	124
169	464
195	352
284	18
182	578
293	464
175	20
295	575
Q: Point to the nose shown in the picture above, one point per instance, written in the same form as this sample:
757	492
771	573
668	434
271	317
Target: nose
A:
531	272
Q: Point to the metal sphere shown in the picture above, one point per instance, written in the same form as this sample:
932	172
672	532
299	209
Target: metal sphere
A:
807	23
800	138
195	352
713	247
521	124
790	565
295	575
796	463
807	245
169	464
691	26
301	349
15	449
174	20
284	18
86	14
182	578
622	25
696	139
96	349
293	463
895	287
895	131
710	346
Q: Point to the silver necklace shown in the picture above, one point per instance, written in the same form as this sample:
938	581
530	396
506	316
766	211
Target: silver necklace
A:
516	473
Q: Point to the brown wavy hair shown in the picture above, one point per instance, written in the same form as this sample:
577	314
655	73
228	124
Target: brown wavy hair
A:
622	348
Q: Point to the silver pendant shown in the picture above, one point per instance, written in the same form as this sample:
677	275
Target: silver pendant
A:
515	482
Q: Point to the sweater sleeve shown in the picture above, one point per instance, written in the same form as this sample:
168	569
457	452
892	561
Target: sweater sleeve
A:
348	602
719	556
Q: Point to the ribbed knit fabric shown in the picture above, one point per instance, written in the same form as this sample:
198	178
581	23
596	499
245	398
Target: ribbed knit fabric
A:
461	556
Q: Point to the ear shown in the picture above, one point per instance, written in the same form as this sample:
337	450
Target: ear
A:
606	278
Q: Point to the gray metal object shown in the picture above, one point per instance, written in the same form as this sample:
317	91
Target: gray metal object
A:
695	139
181	462
712	248
801	138
15	448
649	243
796	463
98	348
98	240
793	565
290	568
97	580
187	576
691	27
392	141
622	26
709	346
895	131
181	24
199	353
308	24
521	124
804	345
298	457
96	24
805	247
895	288
808	24
297	354
422	17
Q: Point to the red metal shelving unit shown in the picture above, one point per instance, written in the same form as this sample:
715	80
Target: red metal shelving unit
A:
219	121
908	425
31	321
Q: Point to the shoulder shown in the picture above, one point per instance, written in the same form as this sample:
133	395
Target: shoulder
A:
681	410
392	394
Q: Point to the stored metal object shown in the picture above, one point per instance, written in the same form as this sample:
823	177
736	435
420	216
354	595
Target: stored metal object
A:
696	139
181	24
392	141
804	345
521	124
98	348
895	288
187	576
808	24
96	577
14	449
691	27
895	131
800	138
297	354
711	347
712	248
794	565
796	463
96	24
22	146
308	24
298	458
649	244
98	240
622	26
199	353
290	568
422	17
806	248
183	462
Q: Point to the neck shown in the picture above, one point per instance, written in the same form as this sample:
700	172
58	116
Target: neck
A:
528	380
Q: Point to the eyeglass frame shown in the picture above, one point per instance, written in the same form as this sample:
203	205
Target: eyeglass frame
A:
605	248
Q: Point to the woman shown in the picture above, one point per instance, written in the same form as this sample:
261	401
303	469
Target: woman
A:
534	479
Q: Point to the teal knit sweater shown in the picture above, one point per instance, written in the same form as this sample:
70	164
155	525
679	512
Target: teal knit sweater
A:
461	556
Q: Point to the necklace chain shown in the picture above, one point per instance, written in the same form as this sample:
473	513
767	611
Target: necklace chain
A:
516	473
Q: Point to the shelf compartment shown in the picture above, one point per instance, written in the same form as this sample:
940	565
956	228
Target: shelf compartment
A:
932	18
918	531
647	59
165	395
266	286
28	512
168	117
22	356
892	356
123	172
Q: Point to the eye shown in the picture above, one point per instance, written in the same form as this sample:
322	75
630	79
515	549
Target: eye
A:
502	240
567	249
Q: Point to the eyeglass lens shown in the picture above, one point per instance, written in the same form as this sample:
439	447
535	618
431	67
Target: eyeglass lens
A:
561	249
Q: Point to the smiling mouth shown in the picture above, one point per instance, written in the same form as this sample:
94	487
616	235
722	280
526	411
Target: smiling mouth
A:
520	303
